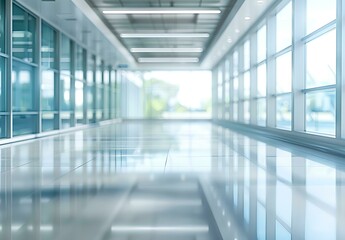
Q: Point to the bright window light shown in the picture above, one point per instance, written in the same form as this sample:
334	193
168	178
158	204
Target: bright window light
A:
162	11
168	60
165	35
166	50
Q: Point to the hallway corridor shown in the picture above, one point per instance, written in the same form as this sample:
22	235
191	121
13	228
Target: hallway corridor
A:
168	180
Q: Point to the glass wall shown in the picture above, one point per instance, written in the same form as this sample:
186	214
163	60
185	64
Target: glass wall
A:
80	83
3	76
49	78
292	83
54	82
166	94
24	72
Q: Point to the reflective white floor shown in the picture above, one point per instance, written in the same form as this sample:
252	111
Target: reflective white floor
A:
168	180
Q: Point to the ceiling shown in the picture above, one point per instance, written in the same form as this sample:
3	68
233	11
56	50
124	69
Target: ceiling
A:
157	42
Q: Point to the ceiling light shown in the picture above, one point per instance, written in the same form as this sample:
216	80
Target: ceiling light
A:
162	11
174	229
168	60
166	50
164	35
247	18
229	40
260	1
237	30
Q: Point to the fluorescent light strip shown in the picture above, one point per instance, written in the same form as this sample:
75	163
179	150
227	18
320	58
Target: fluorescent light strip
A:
162	11
166	203
164	35
168	60
203	228
166	50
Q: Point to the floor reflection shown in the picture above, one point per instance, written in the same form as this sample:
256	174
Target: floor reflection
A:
175	180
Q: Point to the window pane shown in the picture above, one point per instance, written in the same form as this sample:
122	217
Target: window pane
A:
79	95
2	126
79	101
283	117
65	119
65	58
284	27
65	93
227	92
235	93
2	86
282	233
48	50
99	72
24	124
23	87
261	74
246	79
49	121
220	85
261	222
246	53
235	111
319	13
261	43
321	60
2	26
261	111
47	90
79	65
284	73
320	112
90	93
23	34
235	64
246	106
90	69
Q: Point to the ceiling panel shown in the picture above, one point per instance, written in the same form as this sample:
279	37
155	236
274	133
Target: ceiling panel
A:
141	23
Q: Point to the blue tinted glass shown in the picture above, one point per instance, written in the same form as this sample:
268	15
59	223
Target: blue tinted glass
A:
49	121
2	126
65	92
48	49
2	86
281	232
65	58
23	35
47	90
79	63
2	26
23	87
24	124
320	112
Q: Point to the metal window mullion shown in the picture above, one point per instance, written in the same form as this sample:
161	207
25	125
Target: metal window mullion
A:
253	79
73	64
85	103
319	32
57	82
321	88
340	84
215	94
223	90
271	72
38	81
8	73
231	88
240	85
94	90
109	103
298	66
103	91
